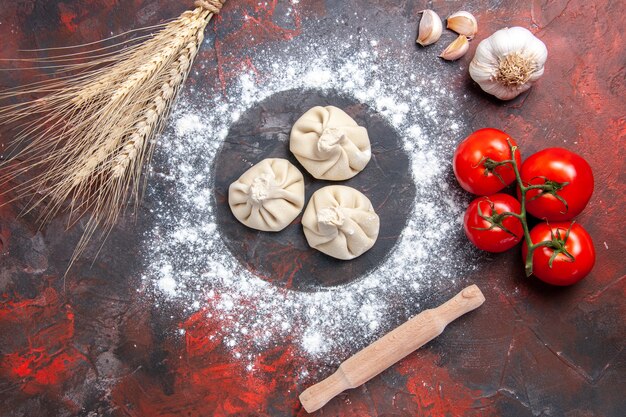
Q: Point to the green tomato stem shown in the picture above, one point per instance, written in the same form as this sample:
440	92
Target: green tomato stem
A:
549	187
510	213
522	216
536	187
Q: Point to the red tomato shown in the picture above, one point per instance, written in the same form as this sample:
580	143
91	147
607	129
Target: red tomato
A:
486	235
565	270
473	157
554	166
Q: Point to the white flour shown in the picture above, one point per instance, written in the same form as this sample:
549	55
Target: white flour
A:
187	262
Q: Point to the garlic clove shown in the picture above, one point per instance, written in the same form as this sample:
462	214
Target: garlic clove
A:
463	23
456	49
430	28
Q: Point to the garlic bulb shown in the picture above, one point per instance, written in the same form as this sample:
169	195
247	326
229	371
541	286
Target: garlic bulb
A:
508	62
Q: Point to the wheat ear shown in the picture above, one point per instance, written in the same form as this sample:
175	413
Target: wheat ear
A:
84	143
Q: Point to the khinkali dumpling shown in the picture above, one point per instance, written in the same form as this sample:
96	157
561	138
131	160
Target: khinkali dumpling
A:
268	196
329	144
340	221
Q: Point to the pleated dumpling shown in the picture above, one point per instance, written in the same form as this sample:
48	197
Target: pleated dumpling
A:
268	196
340	221
330	144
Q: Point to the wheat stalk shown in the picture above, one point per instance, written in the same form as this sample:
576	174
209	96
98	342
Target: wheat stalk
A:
83	145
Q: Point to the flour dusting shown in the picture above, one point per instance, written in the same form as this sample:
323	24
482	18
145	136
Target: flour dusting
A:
188	263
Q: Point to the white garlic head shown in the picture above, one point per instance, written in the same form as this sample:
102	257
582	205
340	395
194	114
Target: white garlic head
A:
508	62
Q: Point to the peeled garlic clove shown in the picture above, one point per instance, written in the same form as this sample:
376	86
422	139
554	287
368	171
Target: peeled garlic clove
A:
456	49
430	28
463	23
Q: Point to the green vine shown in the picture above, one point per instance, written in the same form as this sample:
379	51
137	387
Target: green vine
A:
556	243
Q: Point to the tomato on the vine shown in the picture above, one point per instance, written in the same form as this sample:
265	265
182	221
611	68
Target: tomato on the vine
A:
487	228
568	258
569	180
476	160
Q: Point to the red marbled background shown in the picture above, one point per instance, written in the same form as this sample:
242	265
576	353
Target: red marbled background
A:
89	345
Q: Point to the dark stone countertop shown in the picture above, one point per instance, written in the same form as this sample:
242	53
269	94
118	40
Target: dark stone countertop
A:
88	344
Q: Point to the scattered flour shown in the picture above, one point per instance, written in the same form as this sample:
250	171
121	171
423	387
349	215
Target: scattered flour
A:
187	262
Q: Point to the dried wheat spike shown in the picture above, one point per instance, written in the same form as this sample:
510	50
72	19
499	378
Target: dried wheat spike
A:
93	132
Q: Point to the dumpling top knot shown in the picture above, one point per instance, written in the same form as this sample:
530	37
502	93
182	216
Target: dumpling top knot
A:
331	216
330	137
329	144
332	220
261	187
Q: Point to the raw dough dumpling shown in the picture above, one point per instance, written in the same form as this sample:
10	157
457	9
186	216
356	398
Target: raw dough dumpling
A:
268	196
340	221
330	144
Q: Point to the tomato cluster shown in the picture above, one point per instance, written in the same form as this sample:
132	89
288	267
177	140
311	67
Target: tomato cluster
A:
554	185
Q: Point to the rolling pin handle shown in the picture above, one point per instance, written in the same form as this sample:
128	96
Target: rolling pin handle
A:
467	300
318	395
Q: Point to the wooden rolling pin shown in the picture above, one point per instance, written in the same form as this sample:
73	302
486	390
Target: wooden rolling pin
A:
390	348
